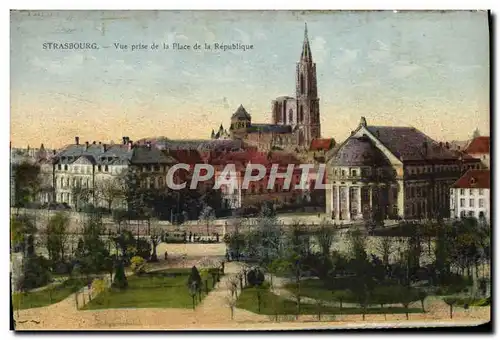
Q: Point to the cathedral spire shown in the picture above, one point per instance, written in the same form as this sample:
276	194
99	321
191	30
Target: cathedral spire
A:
306	48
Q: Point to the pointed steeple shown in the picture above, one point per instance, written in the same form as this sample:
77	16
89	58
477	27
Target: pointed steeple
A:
221	128
306	48
213	134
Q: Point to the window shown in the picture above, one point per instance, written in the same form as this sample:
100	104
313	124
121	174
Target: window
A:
343	173
462	213
98	168
462	202
481	192
65	167
354	173
471	203
106	168
481	203
471	192
471	213
462	192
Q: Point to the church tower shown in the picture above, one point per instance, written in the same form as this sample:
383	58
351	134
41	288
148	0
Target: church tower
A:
308	122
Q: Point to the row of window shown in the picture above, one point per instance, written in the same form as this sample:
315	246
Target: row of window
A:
83	169
471	192
471	213
472	203
438	168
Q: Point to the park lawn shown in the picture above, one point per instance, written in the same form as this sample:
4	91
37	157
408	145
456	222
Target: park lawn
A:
272	304
312	288
152	290
47	296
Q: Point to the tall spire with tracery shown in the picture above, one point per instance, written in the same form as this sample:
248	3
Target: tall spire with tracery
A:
306	48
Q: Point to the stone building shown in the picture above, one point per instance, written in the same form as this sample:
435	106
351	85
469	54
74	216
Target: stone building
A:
295	121
386	172
470	195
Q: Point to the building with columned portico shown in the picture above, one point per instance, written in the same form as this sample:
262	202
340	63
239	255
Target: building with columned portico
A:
387	172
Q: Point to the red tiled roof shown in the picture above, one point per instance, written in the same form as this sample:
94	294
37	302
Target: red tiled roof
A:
186	156
479	145
474	179
321	144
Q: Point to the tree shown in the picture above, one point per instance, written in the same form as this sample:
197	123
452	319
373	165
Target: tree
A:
81	195
207	215
156	234
91	252
341	295
27	183
56	236
120	280
450	301
385	248
194	282
422	295
22	231
325	236
405	296
109	190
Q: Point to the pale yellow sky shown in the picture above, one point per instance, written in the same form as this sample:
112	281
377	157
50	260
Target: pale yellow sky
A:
425	69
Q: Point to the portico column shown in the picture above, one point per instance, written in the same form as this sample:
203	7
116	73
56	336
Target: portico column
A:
337	211
371	198
349	202
360	209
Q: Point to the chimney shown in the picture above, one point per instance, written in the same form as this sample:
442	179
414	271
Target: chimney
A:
86	145
104	148
100	143
129	146
77	140
124	139
447	145
93	142
148	144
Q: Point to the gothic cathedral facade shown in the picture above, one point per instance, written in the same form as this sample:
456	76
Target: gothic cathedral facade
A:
295	121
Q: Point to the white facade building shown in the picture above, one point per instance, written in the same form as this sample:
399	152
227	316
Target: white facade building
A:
470	195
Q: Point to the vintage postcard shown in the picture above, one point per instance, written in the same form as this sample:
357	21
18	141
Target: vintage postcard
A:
249	170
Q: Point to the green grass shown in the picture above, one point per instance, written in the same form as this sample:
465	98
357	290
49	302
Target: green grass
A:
151	291
311	288
47	296
272	304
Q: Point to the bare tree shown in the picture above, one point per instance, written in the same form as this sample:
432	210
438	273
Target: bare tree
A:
109	190
325	236
155	234
207	215
385	247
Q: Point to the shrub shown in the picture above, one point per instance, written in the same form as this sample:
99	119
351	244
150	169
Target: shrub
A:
255	277
36	273
137	264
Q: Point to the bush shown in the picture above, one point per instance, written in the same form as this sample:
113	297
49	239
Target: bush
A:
143	249
137	264
36	273
255	277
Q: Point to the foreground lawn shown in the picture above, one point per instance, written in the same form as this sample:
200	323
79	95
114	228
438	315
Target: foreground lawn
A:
272	304
163	289
47	296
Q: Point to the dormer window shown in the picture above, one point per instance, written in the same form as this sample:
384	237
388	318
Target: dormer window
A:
472	181
106	168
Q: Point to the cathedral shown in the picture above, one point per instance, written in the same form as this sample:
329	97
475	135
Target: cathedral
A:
295	121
